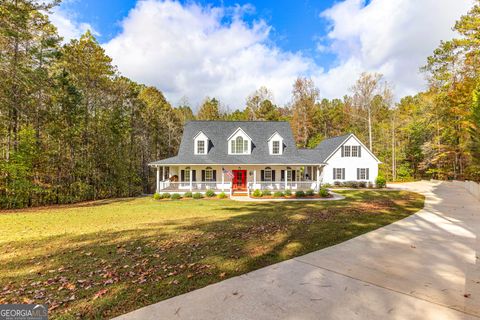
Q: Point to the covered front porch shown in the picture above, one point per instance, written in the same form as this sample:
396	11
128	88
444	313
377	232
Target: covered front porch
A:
237	178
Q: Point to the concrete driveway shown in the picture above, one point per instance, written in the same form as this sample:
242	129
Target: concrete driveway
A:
426	266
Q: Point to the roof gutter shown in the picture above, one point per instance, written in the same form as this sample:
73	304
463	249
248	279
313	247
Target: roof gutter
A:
236	164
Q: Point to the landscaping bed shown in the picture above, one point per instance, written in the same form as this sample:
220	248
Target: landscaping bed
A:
288	194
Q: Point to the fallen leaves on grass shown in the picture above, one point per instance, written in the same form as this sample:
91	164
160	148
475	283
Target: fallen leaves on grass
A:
100	294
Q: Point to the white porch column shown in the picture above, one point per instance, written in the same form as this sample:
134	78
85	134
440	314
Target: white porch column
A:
285	176
255	176
318	177
223	181
158	179
191	184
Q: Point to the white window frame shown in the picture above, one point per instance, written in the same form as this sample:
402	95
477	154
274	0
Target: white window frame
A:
239	143
275	138
187	174
346	151
338	173
269	171
200	137
362	174
355	151
199	151
208	174
289	174
276	147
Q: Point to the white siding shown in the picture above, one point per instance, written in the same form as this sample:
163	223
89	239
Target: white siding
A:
350	164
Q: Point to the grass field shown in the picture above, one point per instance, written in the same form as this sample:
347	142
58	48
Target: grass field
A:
105	258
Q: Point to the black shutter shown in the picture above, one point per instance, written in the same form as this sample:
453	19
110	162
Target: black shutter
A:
358	173
214	175
282	175
368	174
262	175
334	173
343	173
203	175
182	175
293	175
273	175
342	152
194	175
359	151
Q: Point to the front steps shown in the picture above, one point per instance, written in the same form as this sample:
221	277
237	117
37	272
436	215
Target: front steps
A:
240	193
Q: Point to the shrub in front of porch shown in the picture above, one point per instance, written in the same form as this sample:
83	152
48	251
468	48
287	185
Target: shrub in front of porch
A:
221	195
299	194
287	193
166	195
197	195
324	193
257	193
309	193
210	193
157	196
187	194
278	194
176	196
266	193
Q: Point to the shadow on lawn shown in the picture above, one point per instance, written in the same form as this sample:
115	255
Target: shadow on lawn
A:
161	260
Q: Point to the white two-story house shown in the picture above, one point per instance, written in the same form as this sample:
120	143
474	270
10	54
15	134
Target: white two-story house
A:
237	156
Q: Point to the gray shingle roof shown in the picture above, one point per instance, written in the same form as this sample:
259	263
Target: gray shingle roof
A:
325	148
219	131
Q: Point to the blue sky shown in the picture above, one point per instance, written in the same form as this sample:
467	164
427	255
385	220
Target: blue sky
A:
227	49
296	25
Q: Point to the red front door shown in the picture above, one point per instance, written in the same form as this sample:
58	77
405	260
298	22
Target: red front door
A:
239	181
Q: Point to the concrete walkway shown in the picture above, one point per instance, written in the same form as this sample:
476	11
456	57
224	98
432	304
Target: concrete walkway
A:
426	266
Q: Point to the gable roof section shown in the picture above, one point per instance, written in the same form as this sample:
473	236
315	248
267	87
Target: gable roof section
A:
199	133
220	131
273	135
235	132
325	149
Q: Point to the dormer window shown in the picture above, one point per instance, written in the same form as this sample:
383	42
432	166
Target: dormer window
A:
201	147
200	144
239	146
239	143
276	147
275	144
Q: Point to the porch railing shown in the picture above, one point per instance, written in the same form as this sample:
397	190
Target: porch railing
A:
281	185
184	186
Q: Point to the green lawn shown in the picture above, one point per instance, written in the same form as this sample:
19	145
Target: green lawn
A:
106	258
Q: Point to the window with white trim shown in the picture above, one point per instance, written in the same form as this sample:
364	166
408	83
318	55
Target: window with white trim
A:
338	173
187	174
208	174
276	147
355	151
289	174
346	151
201	147
267	175
239	146
362	174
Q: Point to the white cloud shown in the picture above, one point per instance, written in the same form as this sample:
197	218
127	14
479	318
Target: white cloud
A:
194	51
67	25
390	37
189	50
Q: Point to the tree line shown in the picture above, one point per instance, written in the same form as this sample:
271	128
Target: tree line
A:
72	128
